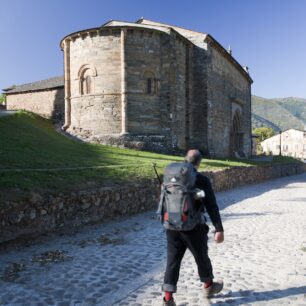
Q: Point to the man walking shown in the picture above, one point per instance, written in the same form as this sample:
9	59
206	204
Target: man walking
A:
195	239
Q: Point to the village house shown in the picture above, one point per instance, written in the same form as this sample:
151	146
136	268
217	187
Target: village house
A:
45	98
288	143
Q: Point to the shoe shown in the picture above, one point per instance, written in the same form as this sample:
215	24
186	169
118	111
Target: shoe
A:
213	289
169	303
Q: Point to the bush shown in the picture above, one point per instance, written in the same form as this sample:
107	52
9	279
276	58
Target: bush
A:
2	99
263	133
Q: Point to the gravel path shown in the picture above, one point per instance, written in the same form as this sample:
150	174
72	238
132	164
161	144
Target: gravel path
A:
262	261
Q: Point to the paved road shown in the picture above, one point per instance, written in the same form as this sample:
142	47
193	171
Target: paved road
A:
262	261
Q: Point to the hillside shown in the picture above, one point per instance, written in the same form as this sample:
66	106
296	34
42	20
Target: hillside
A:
284	113
258	121
33	156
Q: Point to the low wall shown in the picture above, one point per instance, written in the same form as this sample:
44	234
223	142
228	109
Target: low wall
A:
48	103
42	213
239	176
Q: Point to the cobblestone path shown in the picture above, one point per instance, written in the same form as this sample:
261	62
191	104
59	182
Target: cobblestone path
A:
262	261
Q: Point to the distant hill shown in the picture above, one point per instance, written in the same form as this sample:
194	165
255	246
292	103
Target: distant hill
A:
279	113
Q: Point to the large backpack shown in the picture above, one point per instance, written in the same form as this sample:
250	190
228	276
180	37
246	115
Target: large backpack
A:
176	206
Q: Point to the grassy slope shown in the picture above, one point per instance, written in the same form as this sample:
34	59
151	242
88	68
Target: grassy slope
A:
28	141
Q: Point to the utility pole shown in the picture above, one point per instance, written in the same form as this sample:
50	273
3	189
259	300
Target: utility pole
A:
280	143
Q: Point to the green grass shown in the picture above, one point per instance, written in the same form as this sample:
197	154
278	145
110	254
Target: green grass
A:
28	141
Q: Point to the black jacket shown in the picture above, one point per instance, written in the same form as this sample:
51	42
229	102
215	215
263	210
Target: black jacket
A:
209	202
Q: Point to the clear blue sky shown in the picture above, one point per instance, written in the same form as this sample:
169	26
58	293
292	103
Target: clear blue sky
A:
269	36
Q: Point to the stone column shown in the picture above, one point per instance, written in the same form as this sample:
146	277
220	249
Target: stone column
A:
124	128
67	84
248	119
190	108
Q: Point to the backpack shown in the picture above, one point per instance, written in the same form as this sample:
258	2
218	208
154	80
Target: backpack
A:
176	206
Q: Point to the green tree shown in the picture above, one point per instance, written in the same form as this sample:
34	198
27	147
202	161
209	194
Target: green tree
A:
263	133
2	99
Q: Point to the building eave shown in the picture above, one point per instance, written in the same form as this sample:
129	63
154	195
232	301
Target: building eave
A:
42	85
214	43
139	21
33	90
77	33
107	26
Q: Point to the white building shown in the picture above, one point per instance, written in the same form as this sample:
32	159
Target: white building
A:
289	143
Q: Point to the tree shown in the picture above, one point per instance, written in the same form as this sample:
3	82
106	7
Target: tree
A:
263	133
2	99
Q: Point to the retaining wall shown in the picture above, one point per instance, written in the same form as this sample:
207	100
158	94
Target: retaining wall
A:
42	213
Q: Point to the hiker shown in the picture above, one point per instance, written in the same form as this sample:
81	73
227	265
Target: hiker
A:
185	227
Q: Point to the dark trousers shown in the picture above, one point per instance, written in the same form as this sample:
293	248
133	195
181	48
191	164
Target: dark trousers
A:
177	243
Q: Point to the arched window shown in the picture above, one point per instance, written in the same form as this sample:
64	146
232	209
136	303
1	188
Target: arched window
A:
151	83
86	79
88	84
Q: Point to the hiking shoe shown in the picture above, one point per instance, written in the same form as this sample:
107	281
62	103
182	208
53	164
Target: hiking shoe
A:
169	303
213	289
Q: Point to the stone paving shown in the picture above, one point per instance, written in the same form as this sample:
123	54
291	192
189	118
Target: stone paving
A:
262	261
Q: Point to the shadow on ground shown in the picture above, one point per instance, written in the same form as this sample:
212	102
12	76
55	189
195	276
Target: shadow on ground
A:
248	296
233	196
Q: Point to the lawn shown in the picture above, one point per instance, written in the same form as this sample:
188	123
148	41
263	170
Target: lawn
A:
33	156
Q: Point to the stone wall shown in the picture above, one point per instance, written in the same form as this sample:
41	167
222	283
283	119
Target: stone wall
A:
46	103
198	120
119	110
227	90
42	213
143	61
178	85
240	176
97	112
196	88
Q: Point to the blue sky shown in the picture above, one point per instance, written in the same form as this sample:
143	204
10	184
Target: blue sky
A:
269	36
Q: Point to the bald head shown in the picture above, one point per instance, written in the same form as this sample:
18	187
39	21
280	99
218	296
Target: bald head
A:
194	157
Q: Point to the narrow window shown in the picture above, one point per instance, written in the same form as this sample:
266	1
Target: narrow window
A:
88	84
149	86
150	83
86	77
83	86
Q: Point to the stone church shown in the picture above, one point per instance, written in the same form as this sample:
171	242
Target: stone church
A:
151	86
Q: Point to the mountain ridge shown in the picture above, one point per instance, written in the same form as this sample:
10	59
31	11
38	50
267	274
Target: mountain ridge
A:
279	113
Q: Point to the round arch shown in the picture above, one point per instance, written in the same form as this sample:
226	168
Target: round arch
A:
236	132
86	82
151	83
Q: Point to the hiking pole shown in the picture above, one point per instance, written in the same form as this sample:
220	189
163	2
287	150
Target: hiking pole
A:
157	214
154	167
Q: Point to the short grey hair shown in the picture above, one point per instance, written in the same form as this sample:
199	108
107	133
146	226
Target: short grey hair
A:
193	156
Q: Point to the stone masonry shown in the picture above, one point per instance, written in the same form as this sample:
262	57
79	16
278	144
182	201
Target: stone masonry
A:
44	98
37	213
122	262
47	103
152	83
147	85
